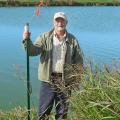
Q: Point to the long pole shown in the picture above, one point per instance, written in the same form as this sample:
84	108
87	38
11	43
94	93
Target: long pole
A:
28	75
28	85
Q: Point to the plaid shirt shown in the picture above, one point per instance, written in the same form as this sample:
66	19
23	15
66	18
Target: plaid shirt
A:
58	53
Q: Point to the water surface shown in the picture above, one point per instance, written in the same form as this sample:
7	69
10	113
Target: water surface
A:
96	28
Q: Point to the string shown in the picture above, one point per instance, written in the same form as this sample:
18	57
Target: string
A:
37	11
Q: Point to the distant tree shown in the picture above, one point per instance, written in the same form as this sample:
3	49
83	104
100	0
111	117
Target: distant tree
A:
48	2
11	2
70	2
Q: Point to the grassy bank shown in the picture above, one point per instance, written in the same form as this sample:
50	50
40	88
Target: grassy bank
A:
60	2
95	97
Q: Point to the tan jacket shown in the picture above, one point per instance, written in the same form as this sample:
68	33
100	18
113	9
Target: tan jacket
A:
43	47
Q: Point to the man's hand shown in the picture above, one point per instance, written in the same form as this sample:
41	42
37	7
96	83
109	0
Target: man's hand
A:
26	36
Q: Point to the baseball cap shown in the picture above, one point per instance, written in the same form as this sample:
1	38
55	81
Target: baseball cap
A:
60	15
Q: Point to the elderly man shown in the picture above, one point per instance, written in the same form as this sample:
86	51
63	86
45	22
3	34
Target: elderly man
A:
56	48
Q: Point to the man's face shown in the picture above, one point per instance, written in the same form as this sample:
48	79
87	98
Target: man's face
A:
60	24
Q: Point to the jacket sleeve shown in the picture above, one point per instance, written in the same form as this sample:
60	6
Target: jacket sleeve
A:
77	54
35	49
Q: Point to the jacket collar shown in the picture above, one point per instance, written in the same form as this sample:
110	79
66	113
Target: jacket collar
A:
68	40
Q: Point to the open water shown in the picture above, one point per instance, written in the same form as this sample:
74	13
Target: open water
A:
96	28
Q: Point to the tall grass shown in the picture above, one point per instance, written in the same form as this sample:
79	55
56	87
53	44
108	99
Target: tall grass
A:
95	96
98	97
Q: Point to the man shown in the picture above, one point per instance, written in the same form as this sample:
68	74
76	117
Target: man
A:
56	48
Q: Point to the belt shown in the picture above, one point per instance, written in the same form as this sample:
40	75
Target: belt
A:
56	74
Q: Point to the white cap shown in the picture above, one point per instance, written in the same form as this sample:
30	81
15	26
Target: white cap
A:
60	15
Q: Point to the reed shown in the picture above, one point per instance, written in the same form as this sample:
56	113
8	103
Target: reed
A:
95	96
99	95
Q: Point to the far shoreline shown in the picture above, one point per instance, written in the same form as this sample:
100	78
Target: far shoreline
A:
30	4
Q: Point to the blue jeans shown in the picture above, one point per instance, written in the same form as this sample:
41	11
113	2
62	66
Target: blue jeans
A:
48	95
